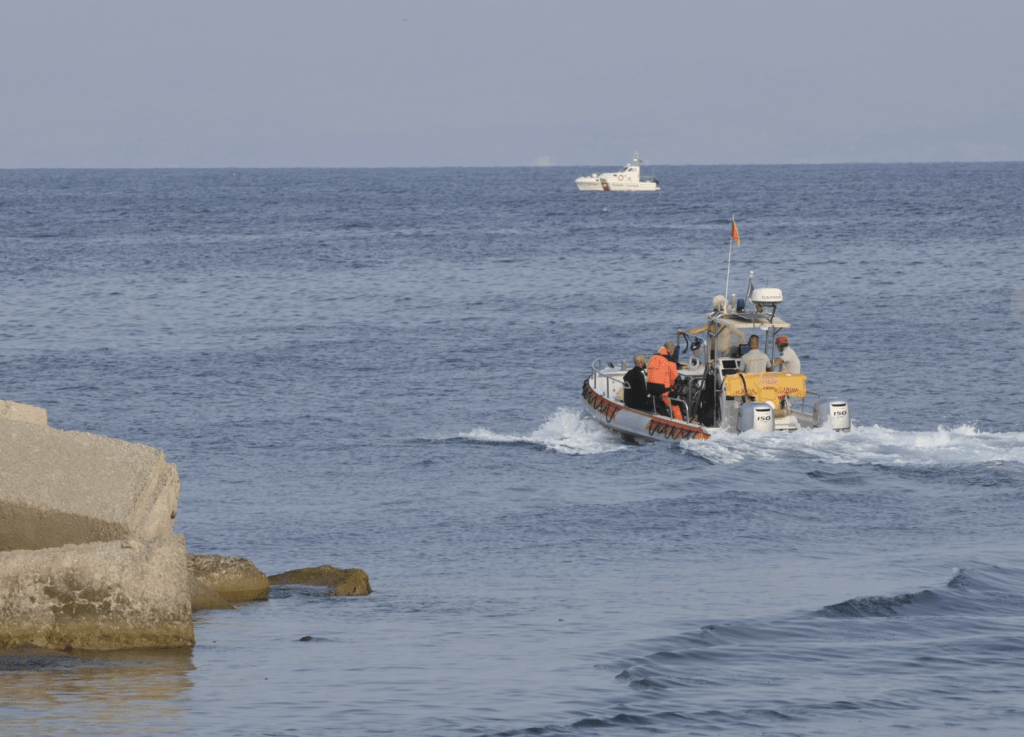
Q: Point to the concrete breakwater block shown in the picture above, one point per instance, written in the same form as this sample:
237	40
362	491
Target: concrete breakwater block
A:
22	412
341	581
100	596
235	580
59	488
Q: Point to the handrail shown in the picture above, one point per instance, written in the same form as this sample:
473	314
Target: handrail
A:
596	369
803	400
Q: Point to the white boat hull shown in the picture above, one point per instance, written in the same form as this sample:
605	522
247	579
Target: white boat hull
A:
637	425
613	185
603	402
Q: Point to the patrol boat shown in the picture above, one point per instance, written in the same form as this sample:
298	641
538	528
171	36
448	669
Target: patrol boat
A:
626	179
711	392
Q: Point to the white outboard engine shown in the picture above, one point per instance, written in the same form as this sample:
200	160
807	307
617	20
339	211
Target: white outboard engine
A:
832	413
759	416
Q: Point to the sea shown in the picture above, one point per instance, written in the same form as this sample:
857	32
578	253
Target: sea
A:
381	369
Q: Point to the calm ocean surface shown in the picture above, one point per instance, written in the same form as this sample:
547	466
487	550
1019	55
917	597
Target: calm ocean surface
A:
381	368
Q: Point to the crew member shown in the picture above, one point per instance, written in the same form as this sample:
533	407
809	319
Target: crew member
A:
721	338
663	372
755	360
635	394
787	362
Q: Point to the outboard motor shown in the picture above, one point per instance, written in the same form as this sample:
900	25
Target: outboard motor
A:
759	416
832	413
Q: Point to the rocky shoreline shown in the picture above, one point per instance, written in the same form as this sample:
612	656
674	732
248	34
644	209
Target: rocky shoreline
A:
88	555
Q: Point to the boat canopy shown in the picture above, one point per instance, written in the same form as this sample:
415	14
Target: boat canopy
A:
746	321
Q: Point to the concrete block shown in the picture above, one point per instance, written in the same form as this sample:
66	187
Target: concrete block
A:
59	488
233	579
22	412
99	596
340	581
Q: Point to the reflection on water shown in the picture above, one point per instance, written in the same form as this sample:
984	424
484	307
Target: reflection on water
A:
45	692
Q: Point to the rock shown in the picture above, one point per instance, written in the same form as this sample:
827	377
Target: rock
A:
203	597
234	579
343	582
22	412
59	488
98	596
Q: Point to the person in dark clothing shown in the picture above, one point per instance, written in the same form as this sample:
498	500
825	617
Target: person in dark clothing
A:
635	393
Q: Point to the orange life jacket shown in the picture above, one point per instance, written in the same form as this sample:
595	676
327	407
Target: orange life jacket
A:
661	371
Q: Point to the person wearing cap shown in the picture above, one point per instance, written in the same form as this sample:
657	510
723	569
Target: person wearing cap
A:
787	362
635	394
755	360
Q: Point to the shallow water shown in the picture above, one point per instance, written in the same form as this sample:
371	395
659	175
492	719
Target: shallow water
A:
381	369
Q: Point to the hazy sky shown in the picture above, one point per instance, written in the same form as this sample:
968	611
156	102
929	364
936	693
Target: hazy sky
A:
214	83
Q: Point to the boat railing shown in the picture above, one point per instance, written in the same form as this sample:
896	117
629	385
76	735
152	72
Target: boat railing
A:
597	372
803	400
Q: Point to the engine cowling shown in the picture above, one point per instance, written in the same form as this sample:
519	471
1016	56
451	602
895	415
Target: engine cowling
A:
756	416
832	413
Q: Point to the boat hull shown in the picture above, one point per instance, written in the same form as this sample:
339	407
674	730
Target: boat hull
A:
636	425
588	184
604	404
610	184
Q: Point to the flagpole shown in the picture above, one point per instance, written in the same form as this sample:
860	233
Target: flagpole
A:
733	236
727	270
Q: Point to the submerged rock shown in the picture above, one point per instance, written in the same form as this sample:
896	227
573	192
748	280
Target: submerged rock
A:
235	580
98	596
342	582
203	597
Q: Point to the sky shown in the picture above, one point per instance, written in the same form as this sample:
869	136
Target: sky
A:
388	83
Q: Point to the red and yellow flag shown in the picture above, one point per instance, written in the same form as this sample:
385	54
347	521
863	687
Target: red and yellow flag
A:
735	232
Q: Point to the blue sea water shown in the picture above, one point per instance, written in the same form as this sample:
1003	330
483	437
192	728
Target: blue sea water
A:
381	369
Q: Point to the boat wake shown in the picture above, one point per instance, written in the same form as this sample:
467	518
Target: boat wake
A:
571	432
959	446
566	431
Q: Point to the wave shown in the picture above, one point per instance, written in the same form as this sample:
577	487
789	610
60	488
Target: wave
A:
959	446
566	431
991	591
812	669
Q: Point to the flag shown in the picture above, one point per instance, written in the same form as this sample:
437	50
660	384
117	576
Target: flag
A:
735	232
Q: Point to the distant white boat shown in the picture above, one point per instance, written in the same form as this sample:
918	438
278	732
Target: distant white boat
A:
627	179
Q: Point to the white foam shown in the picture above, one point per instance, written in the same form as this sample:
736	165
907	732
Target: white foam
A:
566	431
963	445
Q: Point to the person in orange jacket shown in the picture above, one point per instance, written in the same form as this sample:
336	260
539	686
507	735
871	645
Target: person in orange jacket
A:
663	372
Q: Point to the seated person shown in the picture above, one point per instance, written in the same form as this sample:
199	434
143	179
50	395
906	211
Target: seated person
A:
635	393
755	360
